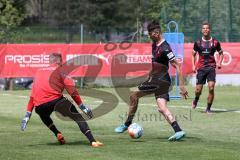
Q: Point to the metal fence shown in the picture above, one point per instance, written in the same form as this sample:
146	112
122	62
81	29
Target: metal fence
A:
222	14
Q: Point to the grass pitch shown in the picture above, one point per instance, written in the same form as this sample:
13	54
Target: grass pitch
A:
208	137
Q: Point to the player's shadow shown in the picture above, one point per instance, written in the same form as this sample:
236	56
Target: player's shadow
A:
193	138
140	140
73	143
57	143
160	138
186	138
222	111
137	141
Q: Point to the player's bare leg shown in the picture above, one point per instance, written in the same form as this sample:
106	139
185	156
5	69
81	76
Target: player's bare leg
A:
210	99
198	92
162	108
134	98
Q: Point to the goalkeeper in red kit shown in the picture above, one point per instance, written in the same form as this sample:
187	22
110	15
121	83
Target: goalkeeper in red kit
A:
46	97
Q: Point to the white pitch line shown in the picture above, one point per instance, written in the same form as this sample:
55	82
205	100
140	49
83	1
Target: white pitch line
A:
189	107
146	104
23	96
8	94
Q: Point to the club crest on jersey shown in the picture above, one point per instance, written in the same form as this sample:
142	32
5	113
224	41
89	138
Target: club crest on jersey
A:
206	51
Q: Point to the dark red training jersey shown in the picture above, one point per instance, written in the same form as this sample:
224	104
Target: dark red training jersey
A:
49	84
206	50
161	55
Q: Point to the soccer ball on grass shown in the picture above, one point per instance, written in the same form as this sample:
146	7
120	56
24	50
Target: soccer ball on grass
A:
135	131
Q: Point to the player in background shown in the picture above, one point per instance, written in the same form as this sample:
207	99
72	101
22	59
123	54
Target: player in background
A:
46	97
158	83
206	47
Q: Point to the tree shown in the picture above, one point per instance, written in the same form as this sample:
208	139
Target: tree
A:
34	10
163	11
10	17
223	17
68	15
117	16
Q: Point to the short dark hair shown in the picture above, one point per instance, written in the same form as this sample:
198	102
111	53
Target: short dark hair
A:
153	25
56	55
206	23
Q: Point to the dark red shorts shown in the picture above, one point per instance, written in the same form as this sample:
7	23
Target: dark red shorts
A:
204	74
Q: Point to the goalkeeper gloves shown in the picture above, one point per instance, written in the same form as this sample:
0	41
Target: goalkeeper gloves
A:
86	110
25	120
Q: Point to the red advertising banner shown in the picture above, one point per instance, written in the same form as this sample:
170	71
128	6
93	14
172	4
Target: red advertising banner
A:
103	60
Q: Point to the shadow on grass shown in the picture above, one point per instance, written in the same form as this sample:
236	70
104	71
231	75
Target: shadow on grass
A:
70	143
159	139
185	139
74	143
193	138
221	111
137	140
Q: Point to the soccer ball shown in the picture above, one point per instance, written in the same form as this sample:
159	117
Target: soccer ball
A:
135	131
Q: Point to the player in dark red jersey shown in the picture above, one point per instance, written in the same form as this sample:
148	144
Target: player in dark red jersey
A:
158	83
46	97
206	47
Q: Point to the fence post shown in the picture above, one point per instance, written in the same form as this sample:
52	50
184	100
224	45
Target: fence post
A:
81	40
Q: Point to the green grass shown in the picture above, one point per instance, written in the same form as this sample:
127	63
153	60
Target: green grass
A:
208	137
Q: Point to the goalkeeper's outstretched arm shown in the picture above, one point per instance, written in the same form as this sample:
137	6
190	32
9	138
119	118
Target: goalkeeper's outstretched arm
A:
28	114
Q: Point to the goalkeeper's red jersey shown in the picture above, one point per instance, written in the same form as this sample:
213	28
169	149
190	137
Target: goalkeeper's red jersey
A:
48	85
